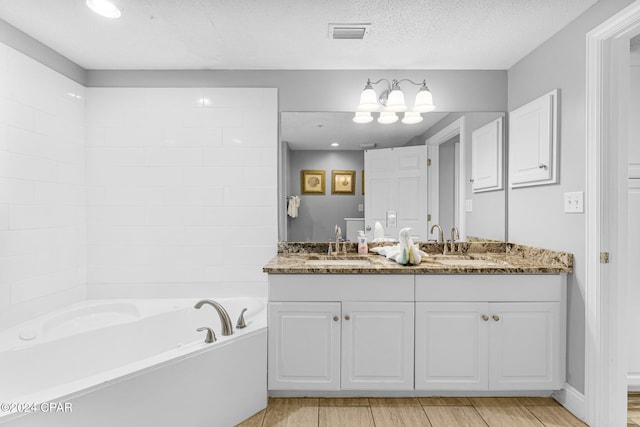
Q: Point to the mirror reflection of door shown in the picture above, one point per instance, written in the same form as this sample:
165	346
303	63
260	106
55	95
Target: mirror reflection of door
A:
396	195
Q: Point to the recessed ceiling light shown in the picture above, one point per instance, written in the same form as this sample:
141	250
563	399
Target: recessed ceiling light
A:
104	8
335	144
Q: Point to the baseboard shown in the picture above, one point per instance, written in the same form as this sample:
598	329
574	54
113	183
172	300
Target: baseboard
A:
573	400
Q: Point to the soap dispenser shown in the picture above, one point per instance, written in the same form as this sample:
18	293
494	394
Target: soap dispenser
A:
363	248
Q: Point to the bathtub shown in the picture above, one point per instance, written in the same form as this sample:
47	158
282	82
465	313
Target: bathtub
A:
134	363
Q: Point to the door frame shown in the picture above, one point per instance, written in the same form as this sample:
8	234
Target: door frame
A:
458	127
606	217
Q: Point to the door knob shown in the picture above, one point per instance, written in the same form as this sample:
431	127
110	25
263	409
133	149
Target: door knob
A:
336	318
347	317
496	317
485	317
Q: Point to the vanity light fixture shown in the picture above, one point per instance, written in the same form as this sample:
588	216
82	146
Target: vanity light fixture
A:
392	100
104	8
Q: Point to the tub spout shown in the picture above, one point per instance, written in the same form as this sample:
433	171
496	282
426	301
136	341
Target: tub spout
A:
227	329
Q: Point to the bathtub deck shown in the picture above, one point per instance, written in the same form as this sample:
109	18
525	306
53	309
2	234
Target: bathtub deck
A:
432	411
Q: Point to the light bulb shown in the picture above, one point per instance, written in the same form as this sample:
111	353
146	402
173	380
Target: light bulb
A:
362	117
368	99
395	100
387	117
424	100
411	118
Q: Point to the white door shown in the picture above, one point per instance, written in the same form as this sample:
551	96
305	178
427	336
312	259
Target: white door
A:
377	346
396	190
524	346
451	345
633	282
304	346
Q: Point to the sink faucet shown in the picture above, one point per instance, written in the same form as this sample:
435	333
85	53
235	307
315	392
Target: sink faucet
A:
225	320
455	236
444	244
338	236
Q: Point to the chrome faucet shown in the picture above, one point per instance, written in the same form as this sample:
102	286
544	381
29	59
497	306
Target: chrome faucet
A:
455	236
338	237
227	329
441	240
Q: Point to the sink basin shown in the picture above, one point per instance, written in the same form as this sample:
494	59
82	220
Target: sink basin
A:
466	262
462	260
337	262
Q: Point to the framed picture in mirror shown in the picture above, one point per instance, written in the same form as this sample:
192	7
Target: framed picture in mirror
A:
312	182
343	182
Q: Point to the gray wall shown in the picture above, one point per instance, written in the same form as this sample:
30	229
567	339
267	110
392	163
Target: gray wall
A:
535	213
318	215
328	90
31	47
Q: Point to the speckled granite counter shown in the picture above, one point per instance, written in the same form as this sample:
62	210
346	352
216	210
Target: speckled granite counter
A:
475	258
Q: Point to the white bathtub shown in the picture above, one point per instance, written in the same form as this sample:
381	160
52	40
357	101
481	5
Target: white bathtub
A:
134	363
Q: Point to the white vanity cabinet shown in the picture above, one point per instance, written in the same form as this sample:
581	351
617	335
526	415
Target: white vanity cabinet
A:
489	332
362	339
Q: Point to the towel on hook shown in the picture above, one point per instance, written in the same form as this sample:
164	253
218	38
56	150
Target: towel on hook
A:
292	206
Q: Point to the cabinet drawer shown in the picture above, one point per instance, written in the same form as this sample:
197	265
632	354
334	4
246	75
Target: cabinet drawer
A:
486	287
340	287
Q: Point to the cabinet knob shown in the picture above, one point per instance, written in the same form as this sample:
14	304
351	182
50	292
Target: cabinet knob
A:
347	317
496	317
472	180
542	166
336	318
368	228
485	317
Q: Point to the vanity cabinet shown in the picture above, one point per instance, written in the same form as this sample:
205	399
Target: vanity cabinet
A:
452	332
361	340
467	340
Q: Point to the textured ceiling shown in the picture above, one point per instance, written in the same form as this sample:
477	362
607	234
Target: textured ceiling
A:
316	130
292	34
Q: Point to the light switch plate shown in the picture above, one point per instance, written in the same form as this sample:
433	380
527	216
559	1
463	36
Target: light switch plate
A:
574	202
468	205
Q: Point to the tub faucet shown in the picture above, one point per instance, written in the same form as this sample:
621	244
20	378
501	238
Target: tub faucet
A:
441	239
227	329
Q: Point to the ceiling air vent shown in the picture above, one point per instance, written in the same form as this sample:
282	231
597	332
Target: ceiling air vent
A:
349	31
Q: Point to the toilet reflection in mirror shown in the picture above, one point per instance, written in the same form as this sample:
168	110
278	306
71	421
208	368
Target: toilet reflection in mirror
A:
422	173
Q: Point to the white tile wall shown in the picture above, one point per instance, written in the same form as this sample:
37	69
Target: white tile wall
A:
182	188
42	188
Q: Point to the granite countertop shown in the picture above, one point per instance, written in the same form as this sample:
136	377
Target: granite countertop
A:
515	259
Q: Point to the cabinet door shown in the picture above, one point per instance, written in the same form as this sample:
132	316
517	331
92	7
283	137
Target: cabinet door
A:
525	346
451	345
377	346
533	134
304	346
486	157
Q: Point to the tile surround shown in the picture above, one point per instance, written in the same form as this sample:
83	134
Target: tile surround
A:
42	188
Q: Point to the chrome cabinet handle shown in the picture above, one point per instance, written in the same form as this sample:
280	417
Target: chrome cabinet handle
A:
542	166
485	317
496	317
368	228
336	318
347	317
472	180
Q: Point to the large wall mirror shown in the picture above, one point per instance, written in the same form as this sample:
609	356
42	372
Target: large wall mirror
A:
446	170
